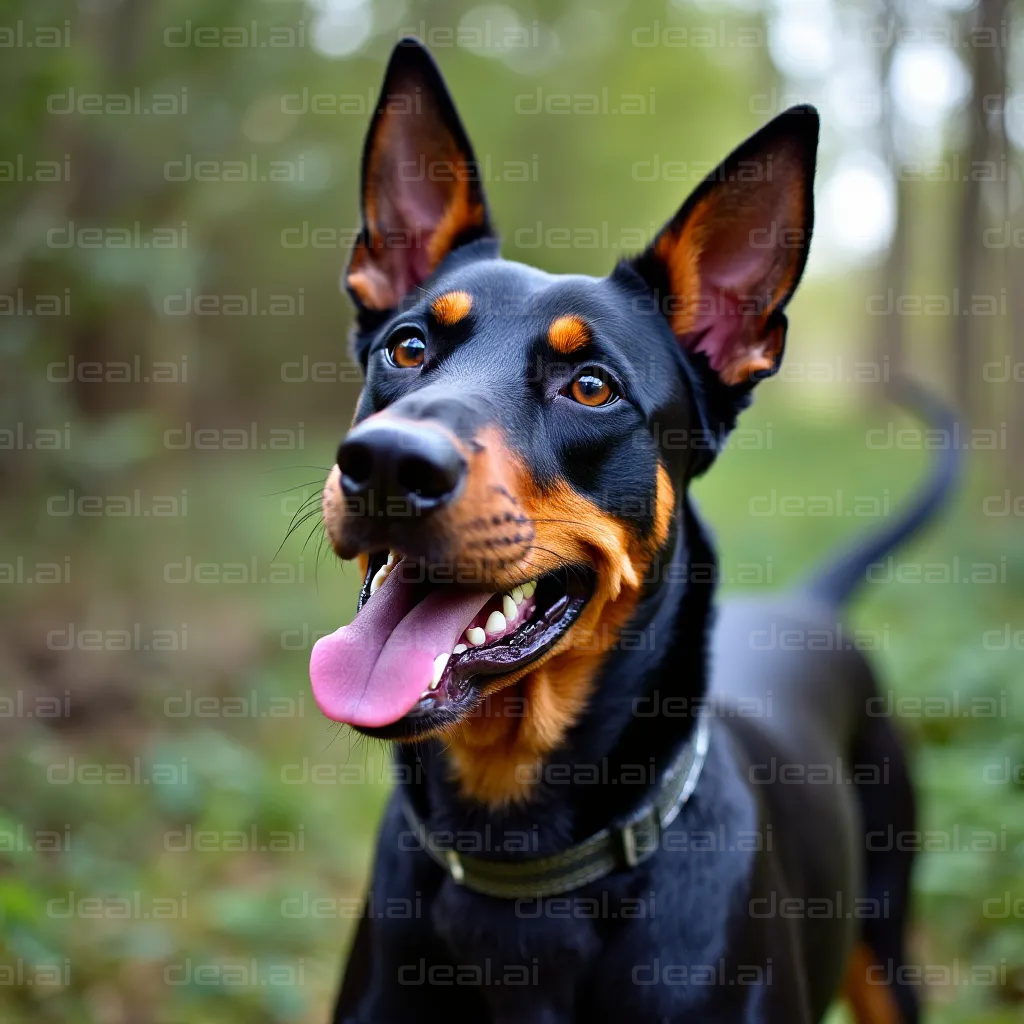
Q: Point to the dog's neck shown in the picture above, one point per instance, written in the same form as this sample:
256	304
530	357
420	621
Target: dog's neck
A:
623	735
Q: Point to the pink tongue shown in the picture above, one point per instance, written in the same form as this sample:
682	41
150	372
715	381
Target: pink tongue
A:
373	671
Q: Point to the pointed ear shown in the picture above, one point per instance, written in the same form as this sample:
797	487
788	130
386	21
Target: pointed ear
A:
726	265
421	191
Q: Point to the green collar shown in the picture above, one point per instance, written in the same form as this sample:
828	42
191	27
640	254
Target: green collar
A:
622	845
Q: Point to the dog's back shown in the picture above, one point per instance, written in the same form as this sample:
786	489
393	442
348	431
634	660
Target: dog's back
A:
795	712
793	686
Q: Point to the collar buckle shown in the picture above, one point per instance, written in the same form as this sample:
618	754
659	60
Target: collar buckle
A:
640	836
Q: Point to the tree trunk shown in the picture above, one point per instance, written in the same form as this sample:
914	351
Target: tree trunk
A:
970	339
889	355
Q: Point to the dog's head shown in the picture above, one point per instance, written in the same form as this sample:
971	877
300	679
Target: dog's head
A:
506	482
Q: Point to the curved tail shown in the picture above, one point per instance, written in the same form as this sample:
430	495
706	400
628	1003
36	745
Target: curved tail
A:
845	572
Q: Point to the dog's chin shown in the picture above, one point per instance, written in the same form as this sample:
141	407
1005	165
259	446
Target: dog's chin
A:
476	672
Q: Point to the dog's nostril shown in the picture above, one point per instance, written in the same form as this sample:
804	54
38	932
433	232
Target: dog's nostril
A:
423	477
355	462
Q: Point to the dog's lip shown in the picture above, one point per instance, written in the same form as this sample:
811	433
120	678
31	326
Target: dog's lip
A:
469	676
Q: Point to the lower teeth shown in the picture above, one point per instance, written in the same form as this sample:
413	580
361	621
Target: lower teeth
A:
495	629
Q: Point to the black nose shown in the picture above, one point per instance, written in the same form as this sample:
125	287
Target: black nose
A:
398	460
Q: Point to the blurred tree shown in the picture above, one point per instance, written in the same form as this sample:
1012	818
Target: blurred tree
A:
894	271
971	339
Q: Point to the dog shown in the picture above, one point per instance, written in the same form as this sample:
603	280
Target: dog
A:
606	805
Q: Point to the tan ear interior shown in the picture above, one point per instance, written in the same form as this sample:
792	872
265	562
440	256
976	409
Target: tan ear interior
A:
378	274
684	252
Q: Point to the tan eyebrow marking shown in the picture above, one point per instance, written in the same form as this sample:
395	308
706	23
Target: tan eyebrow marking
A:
568	333
451	307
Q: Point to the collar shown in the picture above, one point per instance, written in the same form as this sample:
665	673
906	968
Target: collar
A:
622	845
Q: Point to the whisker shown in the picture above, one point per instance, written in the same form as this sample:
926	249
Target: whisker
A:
308	483
316	561
310	501
309	536
291	529
328	552
297	522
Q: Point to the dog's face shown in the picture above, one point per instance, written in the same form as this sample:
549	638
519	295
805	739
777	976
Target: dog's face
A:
506	483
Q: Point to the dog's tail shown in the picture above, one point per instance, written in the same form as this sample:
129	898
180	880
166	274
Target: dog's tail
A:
837	581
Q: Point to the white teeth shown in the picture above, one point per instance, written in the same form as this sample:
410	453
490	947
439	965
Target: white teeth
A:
516	593
529	589
459	649
393	557
495	623
508	606
439	663
475	637
378	578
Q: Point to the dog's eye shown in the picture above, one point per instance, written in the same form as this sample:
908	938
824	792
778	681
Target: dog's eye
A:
406	351
590	389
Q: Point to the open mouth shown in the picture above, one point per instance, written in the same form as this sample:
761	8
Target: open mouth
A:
420	653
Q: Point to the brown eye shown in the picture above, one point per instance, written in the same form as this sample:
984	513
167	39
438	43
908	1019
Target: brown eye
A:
589	389
407	353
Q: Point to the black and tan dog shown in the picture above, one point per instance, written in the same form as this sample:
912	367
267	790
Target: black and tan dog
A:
612	804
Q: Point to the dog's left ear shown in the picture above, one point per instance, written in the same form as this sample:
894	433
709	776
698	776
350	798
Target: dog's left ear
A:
726	265
421	191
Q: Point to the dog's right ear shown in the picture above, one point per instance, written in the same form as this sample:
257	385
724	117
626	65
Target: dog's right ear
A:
421	191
